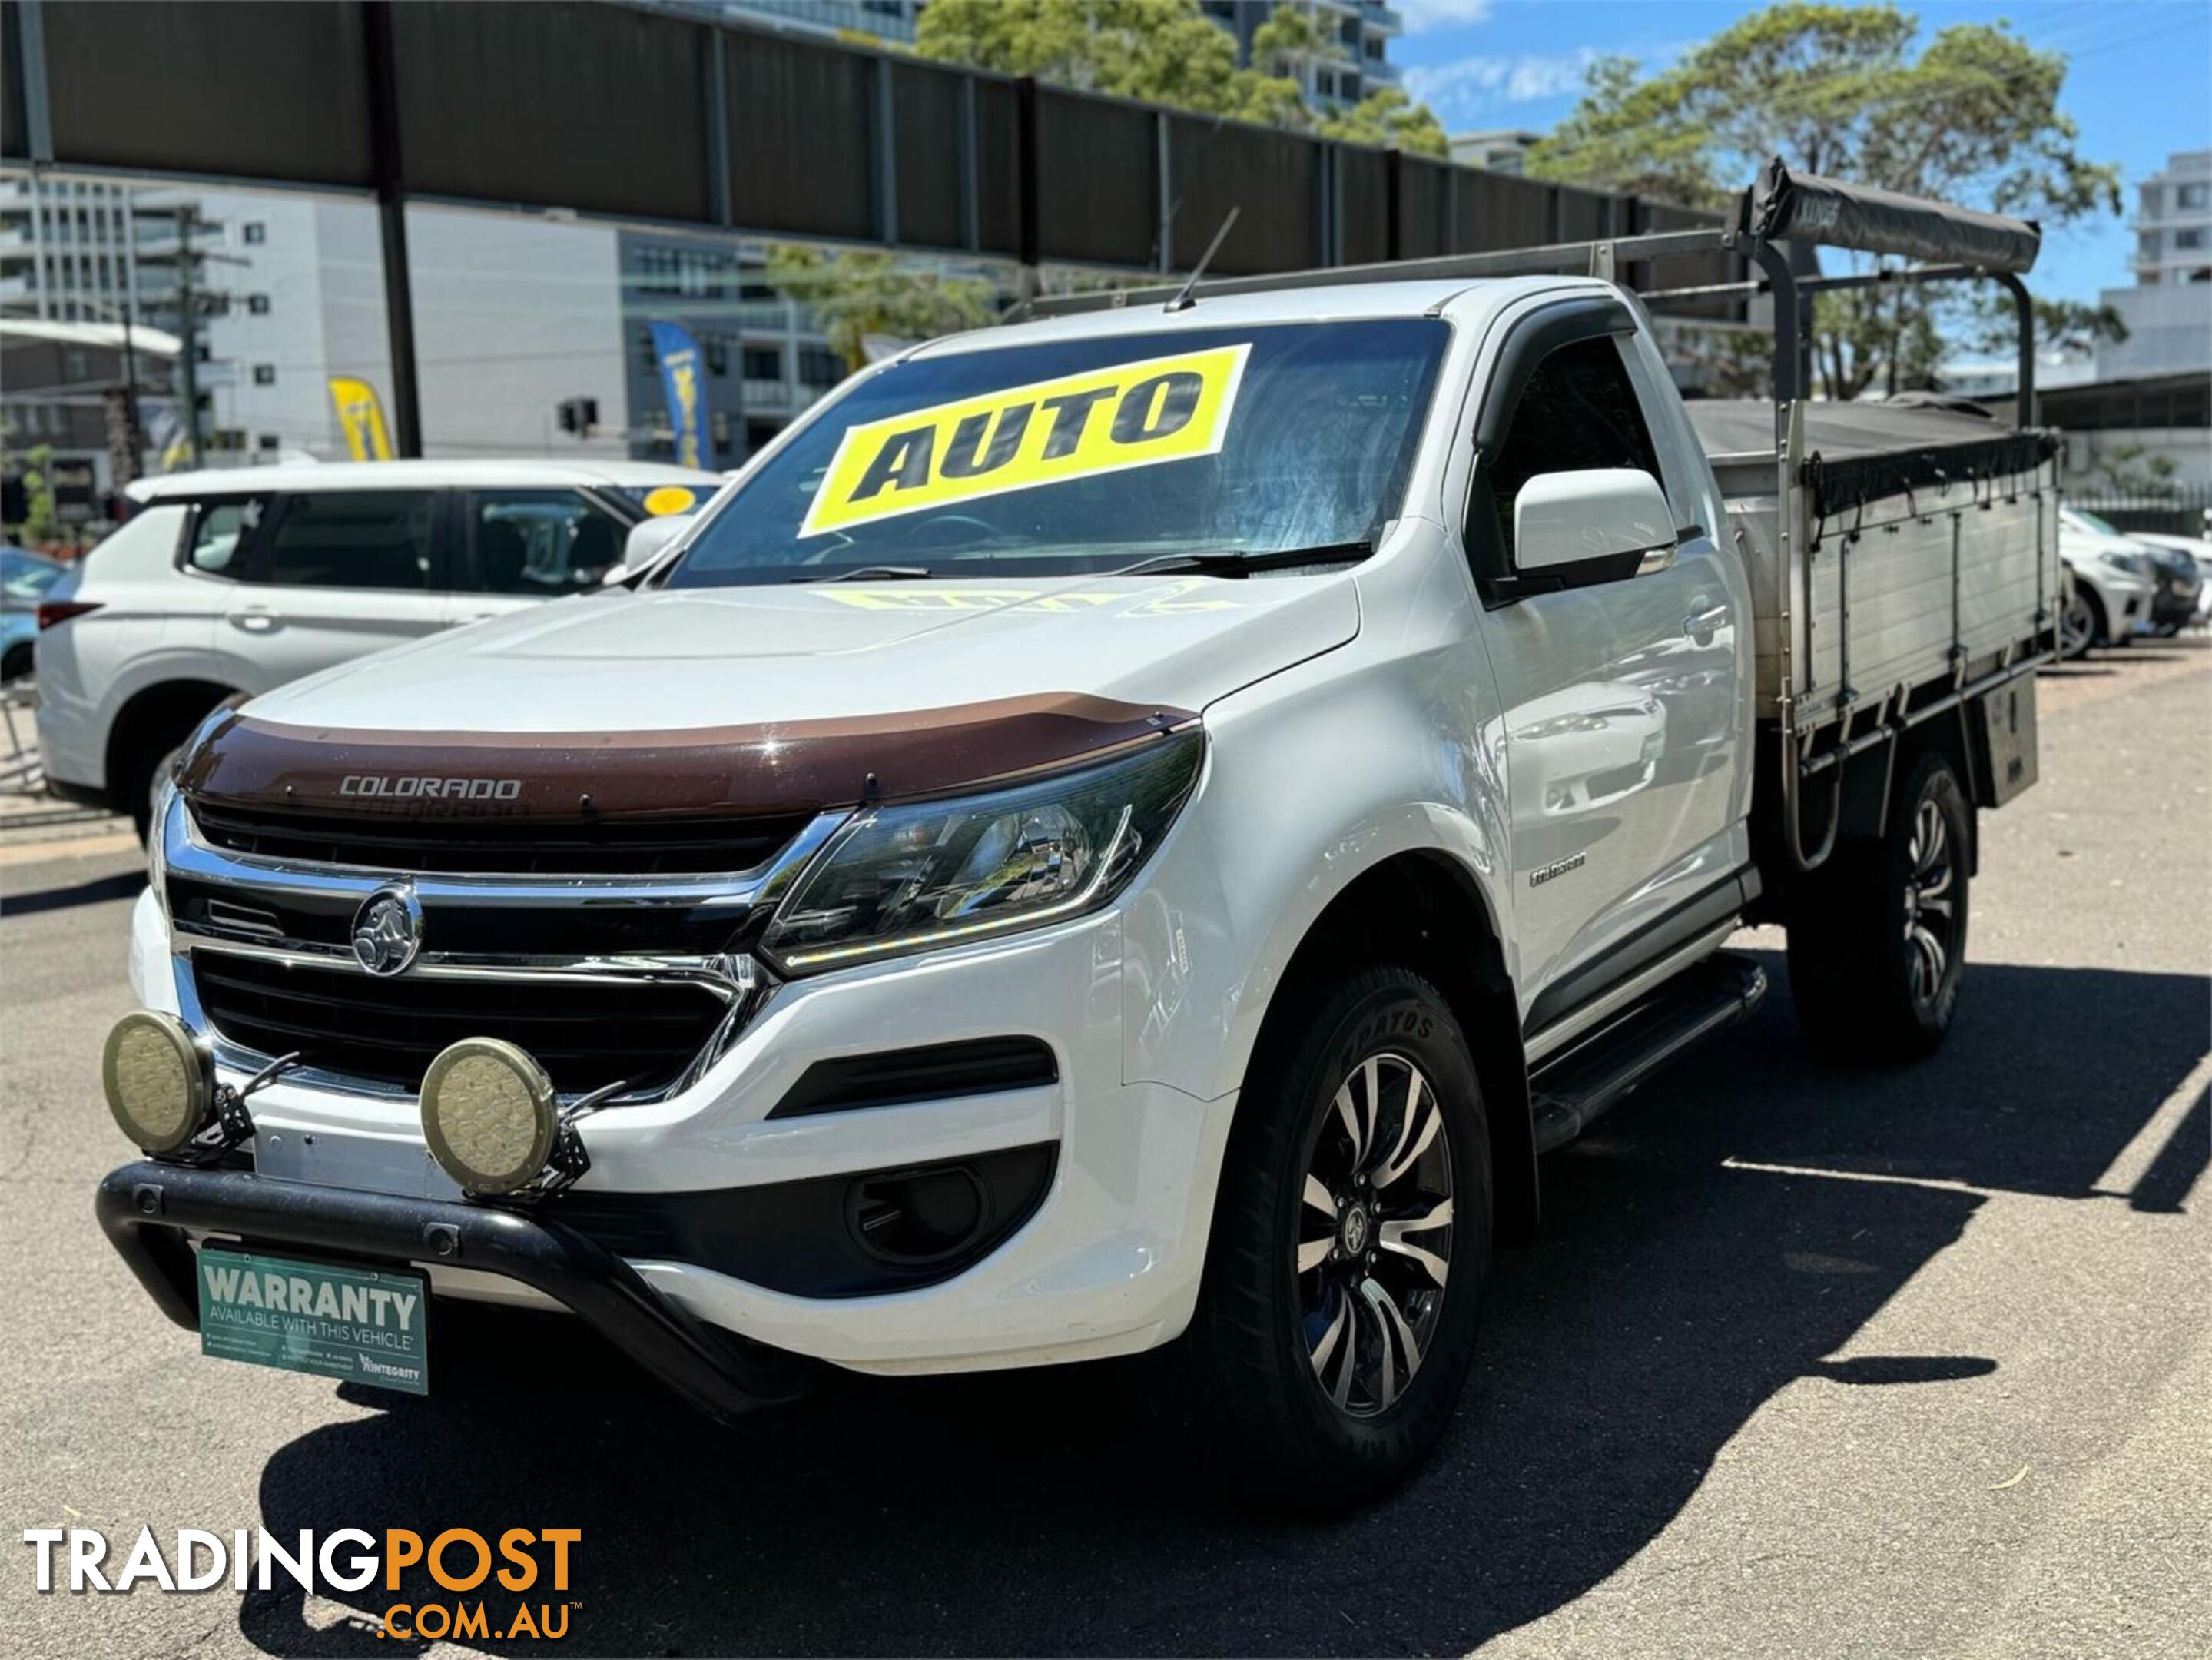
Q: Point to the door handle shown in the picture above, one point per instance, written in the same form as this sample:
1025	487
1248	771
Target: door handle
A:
1705	622
254	622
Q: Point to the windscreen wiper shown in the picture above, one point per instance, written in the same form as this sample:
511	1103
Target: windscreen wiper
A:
1230	563
870	573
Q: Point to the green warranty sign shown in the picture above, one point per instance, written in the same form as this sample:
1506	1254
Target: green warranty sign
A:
365	1325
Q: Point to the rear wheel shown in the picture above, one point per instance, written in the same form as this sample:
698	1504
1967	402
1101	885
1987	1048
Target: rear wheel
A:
1350	1243
149	738
1878	934
15	663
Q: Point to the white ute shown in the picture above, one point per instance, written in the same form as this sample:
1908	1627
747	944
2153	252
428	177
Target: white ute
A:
1129	829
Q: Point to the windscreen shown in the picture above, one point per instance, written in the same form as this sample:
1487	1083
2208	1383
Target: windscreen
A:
1084	455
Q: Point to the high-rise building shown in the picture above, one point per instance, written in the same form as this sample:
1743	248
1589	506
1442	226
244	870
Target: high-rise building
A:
105	268
2168	310
68	249
1355	38
514	315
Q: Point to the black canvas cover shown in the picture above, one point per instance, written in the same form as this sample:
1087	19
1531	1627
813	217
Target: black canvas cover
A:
1804	207
1861	452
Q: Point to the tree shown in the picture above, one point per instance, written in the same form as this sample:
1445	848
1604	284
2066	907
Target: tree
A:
1838	90
1159	51
2128	469
1389	120
40	523
858	294
1168	52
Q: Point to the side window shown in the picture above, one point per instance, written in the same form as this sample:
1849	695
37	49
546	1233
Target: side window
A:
1578	411
350	539
541	541
221	533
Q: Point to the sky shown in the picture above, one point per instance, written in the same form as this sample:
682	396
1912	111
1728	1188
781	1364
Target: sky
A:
2139	83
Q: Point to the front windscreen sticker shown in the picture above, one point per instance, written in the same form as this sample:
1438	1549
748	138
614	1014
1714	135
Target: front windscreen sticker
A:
1132	414
670	498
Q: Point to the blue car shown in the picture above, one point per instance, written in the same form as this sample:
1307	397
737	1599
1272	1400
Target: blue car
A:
24	579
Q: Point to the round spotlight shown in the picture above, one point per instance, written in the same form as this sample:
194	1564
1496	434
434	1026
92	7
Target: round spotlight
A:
157	1080
489	1115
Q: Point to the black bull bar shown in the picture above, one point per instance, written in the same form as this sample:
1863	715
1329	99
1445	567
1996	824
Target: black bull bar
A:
147	1209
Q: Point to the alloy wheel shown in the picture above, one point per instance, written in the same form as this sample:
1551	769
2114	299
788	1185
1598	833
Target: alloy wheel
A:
2076	628
1375	1235
1930	910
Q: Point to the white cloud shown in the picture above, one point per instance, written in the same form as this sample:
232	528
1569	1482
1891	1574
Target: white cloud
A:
1427	16
1466	87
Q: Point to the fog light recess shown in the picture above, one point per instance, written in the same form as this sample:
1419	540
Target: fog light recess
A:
489	1115
158	1079
913	1218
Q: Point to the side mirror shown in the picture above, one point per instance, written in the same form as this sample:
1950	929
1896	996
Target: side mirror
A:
1597	524
646	542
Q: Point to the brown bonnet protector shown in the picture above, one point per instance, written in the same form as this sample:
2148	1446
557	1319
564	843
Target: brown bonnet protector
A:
791	767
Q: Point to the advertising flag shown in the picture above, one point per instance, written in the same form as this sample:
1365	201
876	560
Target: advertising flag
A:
362	415
680	367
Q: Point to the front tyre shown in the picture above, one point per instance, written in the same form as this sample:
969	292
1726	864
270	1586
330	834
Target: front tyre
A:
1878	938
1350	1242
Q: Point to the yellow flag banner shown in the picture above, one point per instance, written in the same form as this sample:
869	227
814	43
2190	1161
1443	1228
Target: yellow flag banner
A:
1049	432
362	415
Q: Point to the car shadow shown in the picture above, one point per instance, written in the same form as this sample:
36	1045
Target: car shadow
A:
1699	1254
99	890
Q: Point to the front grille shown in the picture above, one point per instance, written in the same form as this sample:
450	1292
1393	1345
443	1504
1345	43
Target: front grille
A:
502	846
585	1034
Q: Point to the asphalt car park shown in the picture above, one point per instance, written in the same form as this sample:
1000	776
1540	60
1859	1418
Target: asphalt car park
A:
1806	1361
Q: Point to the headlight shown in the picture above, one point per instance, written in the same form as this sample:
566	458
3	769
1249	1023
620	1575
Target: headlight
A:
2135	564
902	878
157	1080
157	858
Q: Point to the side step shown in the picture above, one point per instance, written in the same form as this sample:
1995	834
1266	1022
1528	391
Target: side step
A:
1568	1090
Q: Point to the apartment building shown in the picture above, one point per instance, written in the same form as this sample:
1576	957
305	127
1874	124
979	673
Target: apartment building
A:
1355	35
2168	310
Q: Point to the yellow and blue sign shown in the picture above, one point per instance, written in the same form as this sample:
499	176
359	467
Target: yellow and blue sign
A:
1048	432
360	413
680	370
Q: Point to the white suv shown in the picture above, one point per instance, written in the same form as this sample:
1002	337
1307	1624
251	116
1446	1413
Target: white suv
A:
239	580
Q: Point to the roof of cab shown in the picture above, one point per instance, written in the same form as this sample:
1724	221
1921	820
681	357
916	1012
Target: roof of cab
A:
493	474
1322	303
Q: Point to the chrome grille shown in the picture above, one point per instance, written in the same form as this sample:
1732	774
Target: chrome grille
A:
494	846
585	1034
638	979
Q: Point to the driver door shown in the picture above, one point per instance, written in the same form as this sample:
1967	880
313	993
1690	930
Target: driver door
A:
1619	689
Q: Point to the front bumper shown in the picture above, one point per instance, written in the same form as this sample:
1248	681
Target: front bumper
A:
1106	1261
151	1211
2176	603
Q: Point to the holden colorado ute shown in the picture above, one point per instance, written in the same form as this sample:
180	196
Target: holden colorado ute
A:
1131	829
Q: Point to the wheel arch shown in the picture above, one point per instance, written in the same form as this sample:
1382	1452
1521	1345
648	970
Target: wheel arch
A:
178	705
1425	910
